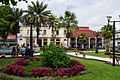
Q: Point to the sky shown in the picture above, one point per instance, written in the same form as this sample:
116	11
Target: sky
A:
91	13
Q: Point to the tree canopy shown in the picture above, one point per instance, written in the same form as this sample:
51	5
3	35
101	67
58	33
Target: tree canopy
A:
107	31
13	2
9	21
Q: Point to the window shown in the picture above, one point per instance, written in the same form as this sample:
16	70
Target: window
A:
28	32
44	32
57	32
65	31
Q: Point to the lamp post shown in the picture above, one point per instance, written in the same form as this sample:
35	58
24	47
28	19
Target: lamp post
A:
109	17
96	51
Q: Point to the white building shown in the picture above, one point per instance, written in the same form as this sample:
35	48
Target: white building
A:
46	36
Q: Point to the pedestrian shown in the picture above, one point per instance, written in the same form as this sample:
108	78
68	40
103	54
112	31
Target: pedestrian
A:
27	50
23	50
14	52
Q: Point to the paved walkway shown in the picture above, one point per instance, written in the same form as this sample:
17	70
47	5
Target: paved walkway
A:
105	59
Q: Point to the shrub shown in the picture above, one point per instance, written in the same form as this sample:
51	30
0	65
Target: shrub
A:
41	71
55	56
14	69
21	61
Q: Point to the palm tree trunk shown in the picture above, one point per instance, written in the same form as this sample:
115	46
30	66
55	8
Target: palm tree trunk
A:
16	39
37	35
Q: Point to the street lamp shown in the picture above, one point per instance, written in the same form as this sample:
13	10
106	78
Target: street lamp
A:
96	51
108	18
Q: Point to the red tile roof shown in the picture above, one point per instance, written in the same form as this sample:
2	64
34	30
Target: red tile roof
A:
89	32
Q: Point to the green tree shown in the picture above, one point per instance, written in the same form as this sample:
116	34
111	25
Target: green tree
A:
15	19
5	12
83	38
13	2
106	32
53	22
9	21
69	22
41	14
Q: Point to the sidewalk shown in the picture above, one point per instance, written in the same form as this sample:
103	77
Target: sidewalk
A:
8	56
107	60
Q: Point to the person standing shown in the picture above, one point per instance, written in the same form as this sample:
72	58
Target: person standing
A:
14	52
27	50
23	50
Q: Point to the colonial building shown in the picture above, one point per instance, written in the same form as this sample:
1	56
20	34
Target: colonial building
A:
46	36
94	39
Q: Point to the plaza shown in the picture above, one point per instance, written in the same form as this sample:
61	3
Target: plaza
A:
59	40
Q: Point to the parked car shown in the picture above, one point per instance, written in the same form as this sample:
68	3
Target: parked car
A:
5	51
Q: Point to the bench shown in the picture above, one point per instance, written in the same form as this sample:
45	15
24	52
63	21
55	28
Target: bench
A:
117	56
78	52
20	53
117	59
109	53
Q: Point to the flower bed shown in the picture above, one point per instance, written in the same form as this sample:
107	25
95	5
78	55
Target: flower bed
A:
17	68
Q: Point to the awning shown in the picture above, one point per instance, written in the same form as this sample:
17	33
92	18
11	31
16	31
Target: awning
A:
8	42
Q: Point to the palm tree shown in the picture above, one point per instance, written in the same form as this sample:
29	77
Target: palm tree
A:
53	23
29	20
69	22
83	39
40	12
106	32
15	19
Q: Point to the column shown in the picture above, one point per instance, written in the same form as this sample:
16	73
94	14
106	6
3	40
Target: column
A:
76	42
69	41
89	43
102	42
95	43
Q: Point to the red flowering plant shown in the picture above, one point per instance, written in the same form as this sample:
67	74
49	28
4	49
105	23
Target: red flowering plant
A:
41	71
21	61
75	68
36	59
14	69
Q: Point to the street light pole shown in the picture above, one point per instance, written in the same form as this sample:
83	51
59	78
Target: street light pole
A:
113	43
96	51
31	45
109	17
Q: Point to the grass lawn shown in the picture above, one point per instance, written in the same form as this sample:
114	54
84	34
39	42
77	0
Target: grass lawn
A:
4	62
98	70
100	54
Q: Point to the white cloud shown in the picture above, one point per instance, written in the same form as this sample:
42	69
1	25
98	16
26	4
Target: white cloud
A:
90	13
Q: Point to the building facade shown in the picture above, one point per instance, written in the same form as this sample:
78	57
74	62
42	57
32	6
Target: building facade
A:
95	39
46	35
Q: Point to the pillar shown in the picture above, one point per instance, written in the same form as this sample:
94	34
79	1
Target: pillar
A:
76	42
